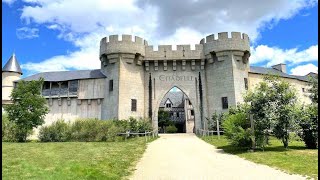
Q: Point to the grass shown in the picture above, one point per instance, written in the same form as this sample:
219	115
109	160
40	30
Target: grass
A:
71	160
294	160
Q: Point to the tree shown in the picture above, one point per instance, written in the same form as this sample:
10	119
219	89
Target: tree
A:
307	117
29	107
272	105
164	119
313	82
283	96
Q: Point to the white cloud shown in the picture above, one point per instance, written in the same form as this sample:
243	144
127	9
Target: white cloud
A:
159	22
275	55
83	59
9	2
27	33
304	69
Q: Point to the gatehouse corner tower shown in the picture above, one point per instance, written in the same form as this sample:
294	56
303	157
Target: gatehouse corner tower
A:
10	73
122	62
227	66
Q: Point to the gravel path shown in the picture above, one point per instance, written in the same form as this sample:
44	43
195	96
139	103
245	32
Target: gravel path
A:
185	156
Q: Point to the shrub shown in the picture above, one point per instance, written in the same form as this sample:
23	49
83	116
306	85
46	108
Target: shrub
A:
171	129
90	130
9	129
58	131
308	122
144	125
237	130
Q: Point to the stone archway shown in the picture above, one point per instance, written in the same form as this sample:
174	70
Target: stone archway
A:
192	97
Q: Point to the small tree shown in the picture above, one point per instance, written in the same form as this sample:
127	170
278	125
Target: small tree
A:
164	119
272	105
29	107
313	82
261	110
283	97
307	117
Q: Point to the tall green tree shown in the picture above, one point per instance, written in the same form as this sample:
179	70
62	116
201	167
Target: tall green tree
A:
272	106
307	117
313	82
164	119
29	107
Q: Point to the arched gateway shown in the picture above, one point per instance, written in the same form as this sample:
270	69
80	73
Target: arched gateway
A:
213	75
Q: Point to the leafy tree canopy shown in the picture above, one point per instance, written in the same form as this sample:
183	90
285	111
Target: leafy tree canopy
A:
29	107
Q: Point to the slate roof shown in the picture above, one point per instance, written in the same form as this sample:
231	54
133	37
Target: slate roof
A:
263	70
67	75
12	65
175	97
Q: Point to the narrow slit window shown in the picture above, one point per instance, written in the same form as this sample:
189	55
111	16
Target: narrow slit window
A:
246	83
224	102
111	85
133	105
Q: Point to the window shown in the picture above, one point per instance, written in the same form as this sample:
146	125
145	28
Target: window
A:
133	105
111	85
224	102
178	114
192	112
302	89
64	84
171	114
168	105
246	83
46	85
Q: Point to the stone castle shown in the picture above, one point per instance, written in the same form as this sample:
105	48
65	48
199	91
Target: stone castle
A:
134	78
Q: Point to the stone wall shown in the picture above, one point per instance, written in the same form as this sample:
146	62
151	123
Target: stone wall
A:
7	85
131	86
303	97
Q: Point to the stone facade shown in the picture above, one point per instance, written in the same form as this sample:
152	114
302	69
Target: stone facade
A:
137	77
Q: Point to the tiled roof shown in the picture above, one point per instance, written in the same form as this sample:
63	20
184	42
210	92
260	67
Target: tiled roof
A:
67	75
175	97
263	70
12	65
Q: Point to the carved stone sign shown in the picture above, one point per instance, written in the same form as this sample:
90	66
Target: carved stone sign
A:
175	77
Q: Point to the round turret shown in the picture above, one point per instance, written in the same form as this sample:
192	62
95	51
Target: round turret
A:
215	48
126	46
11	72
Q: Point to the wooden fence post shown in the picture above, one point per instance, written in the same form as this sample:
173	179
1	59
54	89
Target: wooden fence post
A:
252	129
218	129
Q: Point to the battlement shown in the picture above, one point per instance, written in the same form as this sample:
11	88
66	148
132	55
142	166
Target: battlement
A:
166	52
124	38
126	45
237	41
224	36
133	45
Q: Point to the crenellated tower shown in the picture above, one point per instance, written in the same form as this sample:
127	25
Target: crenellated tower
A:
122	62
227	66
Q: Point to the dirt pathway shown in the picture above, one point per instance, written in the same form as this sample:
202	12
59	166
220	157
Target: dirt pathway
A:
185	156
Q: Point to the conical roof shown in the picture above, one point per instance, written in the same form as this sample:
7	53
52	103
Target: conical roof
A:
12	65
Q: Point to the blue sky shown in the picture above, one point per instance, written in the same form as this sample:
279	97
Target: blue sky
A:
53	35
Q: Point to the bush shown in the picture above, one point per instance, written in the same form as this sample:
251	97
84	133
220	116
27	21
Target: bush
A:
171	129
91	129
237	130
308	122
58	131
9	130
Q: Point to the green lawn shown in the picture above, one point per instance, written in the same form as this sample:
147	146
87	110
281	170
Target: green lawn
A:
295	160
71	160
